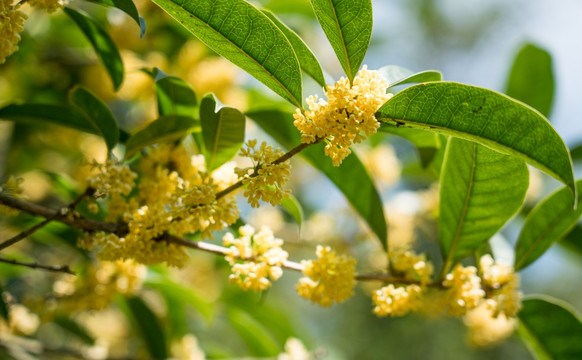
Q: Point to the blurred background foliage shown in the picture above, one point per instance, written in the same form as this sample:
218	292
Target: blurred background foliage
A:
125	311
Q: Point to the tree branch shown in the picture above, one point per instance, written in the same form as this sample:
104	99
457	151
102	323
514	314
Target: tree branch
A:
53	268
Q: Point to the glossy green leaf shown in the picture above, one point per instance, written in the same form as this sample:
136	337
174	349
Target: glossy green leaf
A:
483	116
576	152
104	47
293	207
62	115
348	27
427	144
308	62
351	178
148	326
128	7
480	190
573	240
223	131
174	291
551	329
166	128
245	36
175	97
396	75
257	337
76	329
302	7
531	79
547	223
97	113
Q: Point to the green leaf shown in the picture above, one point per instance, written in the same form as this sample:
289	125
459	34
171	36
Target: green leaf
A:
104	47
351	178
480	190
97	113
182	295
396	75
531	79
62	115
3	306
302	7
427	144
245	36
148	327
307	60
223	131
547	223
577	152
573	240
259	339
128	7
164	129
293	207
485	117
175	97
551	329
348	27
74	328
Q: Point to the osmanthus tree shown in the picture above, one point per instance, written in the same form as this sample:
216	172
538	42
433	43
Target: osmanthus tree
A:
170	186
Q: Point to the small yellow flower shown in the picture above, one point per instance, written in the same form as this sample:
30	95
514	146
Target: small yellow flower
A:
413	266
396	301
464	290
11	25
502	284
329	279
49	6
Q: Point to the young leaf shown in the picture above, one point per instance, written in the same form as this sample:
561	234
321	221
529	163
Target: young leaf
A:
485	117
426	143
307	60
175	97
245	36
293	207
223	131
103	45
351	178
166	128
128	7
348	27
396	75
148	326
480	190
97	113
550	328
531	79
547	223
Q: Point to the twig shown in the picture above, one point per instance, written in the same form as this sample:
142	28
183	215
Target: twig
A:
54	268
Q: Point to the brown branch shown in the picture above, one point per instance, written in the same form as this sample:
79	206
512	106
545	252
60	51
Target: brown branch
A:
54	268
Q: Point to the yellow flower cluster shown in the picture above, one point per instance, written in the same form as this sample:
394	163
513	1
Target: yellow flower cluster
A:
11	187
265	179
502	285
396	301
329	279
415	267
464	289
49	6
261	256
113	178
11	25
486	329
346	116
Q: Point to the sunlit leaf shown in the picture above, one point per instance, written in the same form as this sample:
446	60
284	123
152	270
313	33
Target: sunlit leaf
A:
396	75
308	62
480	189
293	207
148	326
175	97
483	116
128	7
104	47
97	113
259	339
348	27
532	79
547	223
573	240
164	129
351	177
550	328
245	36
223	131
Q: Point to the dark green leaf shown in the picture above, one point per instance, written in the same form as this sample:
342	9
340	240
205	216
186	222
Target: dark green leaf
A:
573	240
427	144
259	339
547	223
223	131
3	307
74	328
148	326
483	116
293	207
104	47
551	329
577	152
396	75
532	79
351	178
128	7
307	60
348	27
164	129
245	36
63	115
480	190
97	113
175	97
